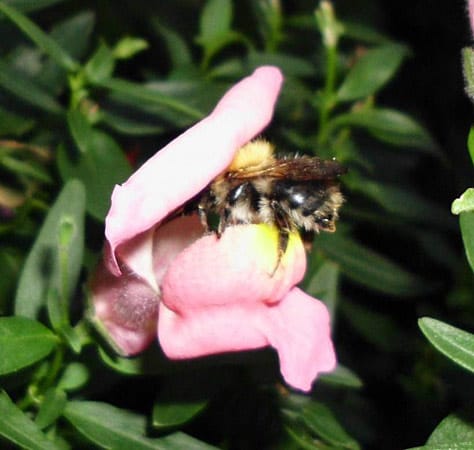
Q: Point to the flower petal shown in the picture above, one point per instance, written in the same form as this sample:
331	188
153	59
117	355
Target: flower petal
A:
299	329
125	310
171	239
241	266
187	164
224	295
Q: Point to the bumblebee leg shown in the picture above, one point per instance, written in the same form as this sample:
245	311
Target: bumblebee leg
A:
284	228
201	210
223	222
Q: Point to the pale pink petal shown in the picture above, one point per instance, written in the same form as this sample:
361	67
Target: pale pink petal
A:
210	330
125	309
171	239
299	329
470	7
239	267
137	255
187	164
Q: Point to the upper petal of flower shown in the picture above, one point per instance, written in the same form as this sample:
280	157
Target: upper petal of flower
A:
187	164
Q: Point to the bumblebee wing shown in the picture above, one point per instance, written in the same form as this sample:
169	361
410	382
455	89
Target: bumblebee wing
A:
302	168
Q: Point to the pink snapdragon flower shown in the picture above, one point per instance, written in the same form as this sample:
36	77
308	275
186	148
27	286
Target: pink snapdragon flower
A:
198	293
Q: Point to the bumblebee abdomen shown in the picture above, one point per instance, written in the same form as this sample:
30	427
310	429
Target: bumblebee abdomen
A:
311	205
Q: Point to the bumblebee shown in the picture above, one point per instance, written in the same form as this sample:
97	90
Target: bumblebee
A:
298	193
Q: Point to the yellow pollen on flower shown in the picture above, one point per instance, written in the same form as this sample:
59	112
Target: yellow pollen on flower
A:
267	246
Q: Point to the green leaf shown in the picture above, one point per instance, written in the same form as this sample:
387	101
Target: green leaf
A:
361	32
465	203
269	23
322	421
130	126
19	429
10	262
40	38
111	427
23	342
369	268
215	29
74	376
150	362
466	222
404	203
27	90
29	169
73	34
372	71
42	271
29	6
377	328
183	396
453	433
100	167
322	281
101	66
342	376
456	344
173	414
390	126
128	47
470	143
178	49
14	125
52	406
216	19
139	96
80	129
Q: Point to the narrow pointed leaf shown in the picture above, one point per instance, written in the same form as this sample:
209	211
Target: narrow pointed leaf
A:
139	94
23	342
18	428
390	126
453	433
372	71
29	6
466	222
41	272
27	90
111	427
51	408
370	268
215	20
40	38
100	166
453	342
322	421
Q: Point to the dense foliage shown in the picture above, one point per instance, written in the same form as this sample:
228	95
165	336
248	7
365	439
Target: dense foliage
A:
89	90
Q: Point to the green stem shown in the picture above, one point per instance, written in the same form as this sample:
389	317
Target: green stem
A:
328	94
56	366
39	387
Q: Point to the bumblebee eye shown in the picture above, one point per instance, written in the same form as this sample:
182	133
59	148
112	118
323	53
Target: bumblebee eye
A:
326	222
